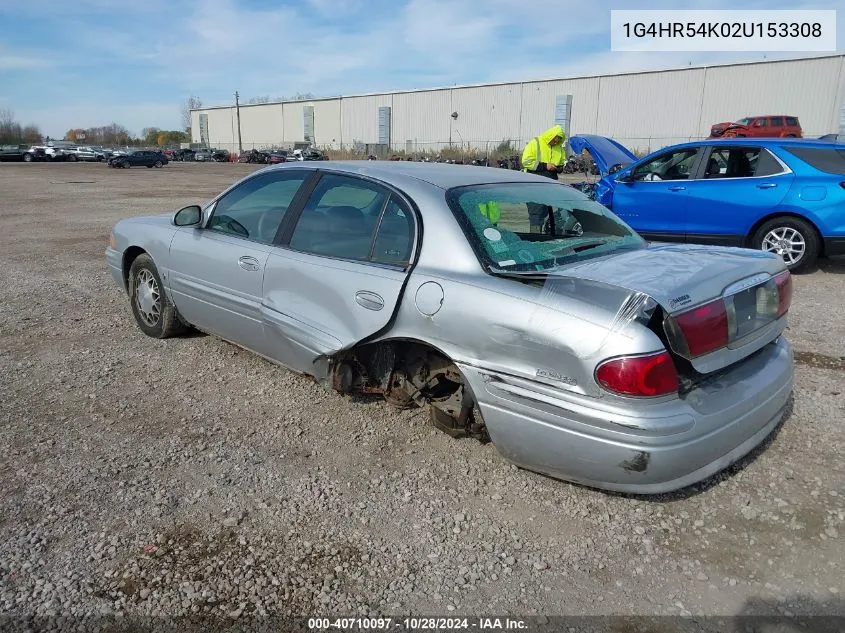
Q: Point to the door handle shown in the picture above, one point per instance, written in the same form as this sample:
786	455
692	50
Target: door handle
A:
369	300
248	263
677	188
767	185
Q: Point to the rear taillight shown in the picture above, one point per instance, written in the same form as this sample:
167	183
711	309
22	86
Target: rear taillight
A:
784	284
644	376
702	329
716	324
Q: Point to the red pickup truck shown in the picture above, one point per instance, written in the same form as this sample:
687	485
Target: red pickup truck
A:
780	125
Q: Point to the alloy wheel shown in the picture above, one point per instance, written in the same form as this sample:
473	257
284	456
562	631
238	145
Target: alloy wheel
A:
147	297
786	242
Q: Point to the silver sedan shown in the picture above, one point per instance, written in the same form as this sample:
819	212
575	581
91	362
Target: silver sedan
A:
514	307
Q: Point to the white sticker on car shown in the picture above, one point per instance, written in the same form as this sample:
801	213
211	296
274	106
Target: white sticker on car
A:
492	234
508	262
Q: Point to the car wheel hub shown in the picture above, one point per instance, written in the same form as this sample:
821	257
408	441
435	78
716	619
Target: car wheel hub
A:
147	297
786	242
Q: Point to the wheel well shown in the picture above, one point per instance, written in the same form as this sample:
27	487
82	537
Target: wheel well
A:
407	373
779	214
129	256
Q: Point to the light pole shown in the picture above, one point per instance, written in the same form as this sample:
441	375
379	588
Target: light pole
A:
238	114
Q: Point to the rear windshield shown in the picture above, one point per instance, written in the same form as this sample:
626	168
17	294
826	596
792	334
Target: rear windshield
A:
829	160
537	226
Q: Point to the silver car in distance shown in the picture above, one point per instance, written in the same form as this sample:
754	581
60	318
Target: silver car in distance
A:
520	311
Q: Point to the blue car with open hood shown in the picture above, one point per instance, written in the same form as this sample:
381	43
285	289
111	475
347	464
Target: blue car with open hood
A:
784	196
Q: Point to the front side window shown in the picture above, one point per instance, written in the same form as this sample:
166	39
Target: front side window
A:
536	226
340	218
254	210
761	123
675	165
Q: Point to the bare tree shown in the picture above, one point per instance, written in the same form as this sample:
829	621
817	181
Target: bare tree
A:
191	103
254	100
12	132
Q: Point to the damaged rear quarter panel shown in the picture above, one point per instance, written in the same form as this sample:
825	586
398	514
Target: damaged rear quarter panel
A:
554	333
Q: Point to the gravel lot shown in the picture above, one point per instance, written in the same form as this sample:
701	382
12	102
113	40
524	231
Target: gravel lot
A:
188	476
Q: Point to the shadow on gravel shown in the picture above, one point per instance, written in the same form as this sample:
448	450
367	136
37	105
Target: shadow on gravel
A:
820	361
834	265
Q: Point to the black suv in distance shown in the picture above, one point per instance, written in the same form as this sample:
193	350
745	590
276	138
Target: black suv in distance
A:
13	152
139	158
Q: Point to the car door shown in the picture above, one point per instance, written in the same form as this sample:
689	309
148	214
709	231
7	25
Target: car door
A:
652	198
339	270
738	185
217	270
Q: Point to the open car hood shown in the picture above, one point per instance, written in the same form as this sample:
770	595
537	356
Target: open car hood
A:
605	151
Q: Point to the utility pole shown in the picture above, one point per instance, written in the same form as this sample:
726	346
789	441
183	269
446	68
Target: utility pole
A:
238	114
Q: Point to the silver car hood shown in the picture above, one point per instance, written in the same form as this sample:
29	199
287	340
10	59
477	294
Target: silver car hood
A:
677	276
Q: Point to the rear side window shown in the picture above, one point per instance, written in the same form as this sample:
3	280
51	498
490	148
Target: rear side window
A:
350	218
791	121
828	160
777	121
767	165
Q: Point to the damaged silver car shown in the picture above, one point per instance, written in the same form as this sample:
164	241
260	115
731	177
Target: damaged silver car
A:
517	309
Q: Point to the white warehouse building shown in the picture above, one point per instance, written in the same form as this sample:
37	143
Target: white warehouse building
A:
642	110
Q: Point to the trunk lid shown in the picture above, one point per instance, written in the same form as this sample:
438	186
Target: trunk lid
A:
681	277
606	152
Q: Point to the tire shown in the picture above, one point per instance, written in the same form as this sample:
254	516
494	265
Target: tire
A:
159	164
27	158
149	166
155	315
125	165
774	235
73	158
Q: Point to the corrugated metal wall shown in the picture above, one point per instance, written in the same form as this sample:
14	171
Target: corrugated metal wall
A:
261	125
421	117
642	110
807	88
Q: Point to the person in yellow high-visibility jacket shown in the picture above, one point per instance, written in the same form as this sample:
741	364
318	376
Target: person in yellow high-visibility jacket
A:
491	211
544	155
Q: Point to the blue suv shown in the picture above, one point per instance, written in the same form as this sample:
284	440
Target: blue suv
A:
785	196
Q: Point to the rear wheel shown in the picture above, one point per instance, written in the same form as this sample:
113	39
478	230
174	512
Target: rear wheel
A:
72	158
791	238
153	312
27	158
158	163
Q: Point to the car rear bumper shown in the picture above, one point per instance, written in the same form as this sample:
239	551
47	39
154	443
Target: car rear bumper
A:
641	448
834	246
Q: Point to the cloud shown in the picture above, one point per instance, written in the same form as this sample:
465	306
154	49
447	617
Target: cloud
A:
111	60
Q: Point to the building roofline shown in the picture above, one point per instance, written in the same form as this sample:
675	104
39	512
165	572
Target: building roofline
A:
528	81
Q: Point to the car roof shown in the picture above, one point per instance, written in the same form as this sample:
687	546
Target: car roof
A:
442	175
761	142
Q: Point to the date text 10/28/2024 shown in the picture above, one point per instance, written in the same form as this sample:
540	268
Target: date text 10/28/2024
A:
417	624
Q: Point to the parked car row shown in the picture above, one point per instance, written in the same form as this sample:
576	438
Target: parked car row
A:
71	153
201	155
275	156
